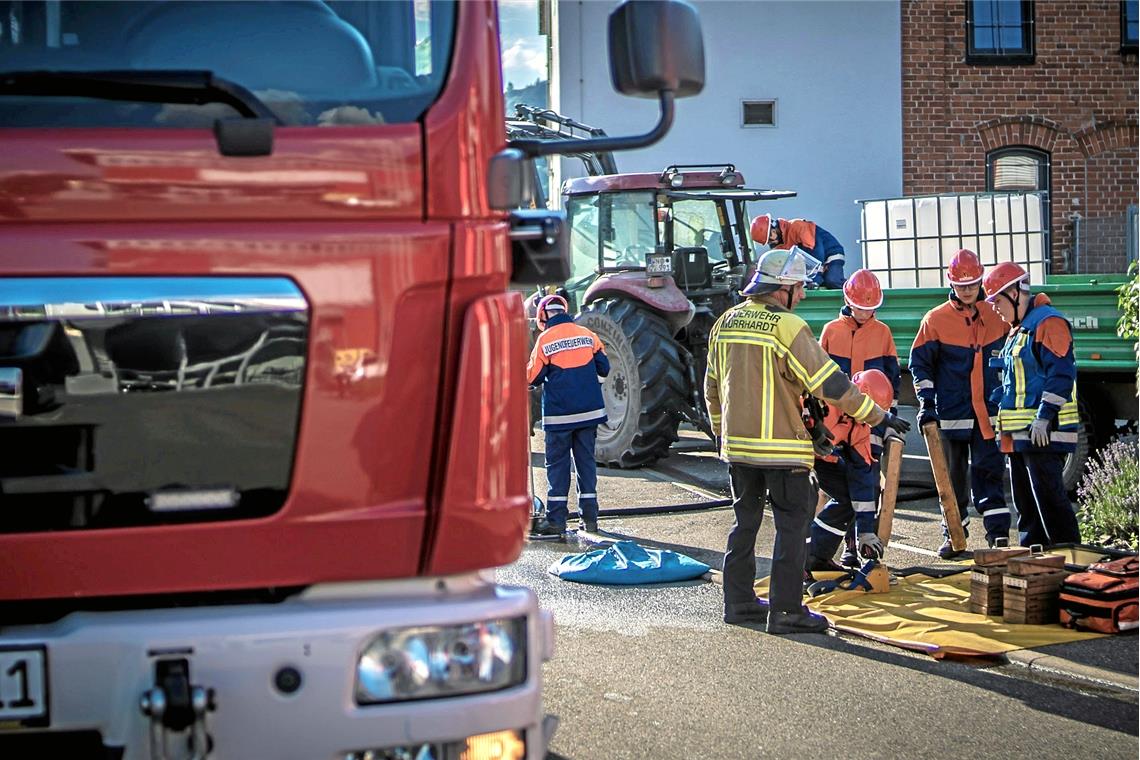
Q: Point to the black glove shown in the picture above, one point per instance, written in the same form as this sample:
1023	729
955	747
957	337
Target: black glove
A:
897	424
926	413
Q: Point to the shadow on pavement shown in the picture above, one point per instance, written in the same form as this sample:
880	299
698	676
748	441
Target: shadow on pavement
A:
1091	709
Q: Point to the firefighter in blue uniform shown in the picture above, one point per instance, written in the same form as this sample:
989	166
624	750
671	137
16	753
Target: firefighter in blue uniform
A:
1038	418
568	362
783	234
953	379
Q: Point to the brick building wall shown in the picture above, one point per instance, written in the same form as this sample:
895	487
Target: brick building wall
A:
1077	101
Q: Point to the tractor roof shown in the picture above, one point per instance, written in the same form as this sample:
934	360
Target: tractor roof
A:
720	177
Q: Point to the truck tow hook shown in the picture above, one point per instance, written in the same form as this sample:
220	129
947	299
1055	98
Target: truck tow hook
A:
174	705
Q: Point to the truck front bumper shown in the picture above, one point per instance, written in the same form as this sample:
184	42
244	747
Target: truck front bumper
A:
277	680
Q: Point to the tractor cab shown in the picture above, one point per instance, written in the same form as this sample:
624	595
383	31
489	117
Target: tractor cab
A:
656	258
684	229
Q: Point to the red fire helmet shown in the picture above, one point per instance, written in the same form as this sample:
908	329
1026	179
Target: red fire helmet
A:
761	226
1003	276
862	290
965	268
554	304
876	385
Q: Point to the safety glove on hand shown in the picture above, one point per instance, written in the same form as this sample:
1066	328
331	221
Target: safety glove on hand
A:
1039	432
870	547
926	413
897	424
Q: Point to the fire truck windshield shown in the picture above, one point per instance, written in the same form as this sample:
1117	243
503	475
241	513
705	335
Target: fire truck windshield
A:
311	63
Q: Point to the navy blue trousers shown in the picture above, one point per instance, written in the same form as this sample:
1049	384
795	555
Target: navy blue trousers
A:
564	447
1044	512
982	460
837	518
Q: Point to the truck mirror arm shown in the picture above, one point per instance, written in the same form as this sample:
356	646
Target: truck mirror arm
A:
535	148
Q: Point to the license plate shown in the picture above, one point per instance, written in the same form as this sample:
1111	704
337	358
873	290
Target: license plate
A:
23	686
656	263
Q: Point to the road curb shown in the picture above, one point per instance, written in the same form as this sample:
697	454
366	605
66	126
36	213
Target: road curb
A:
1051	665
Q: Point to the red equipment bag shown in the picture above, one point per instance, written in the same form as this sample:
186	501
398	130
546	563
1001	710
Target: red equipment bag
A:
1104	598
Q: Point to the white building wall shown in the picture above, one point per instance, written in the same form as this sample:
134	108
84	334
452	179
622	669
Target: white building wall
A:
834	69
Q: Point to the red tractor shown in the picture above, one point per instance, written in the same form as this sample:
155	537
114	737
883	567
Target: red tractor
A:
655	260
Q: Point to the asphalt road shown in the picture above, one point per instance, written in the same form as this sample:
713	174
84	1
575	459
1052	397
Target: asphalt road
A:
652	672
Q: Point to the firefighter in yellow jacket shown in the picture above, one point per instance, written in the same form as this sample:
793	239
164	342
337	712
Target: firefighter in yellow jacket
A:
762	358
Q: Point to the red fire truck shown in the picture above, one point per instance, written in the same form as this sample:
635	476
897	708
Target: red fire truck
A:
262	401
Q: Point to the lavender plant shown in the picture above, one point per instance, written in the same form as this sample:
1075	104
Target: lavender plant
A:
1108	497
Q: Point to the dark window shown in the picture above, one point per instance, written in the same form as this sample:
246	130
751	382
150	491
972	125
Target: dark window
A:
759	113
1128	26
999	31
312	63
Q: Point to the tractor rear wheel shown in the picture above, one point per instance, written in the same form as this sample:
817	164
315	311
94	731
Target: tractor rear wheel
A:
647	387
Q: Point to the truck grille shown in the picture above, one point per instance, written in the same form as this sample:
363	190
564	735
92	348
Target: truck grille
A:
143	401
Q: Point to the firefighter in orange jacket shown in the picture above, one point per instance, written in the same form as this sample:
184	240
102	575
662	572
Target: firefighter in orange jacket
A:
1037	416
953	379
568	361
810	237
850	476
857	341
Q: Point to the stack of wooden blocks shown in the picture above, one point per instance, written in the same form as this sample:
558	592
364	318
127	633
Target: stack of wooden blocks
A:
1031	588
986	590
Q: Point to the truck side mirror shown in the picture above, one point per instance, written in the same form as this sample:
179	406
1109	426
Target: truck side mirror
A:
656	46
507	176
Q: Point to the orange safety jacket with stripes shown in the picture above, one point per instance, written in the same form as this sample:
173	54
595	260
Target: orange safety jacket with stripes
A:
569	361
954	344
856	347
762	357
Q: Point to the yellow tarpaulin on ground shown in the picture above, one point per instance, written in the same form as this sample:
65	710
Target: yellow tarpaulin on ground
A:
931	615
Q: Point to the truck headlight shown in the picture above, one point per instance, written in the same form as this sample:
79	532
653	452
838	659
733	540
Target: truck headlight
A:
441	661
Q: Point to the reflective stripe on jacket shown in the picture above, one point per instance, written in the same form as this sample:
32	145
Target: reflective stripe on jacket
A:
568	361
762	357
955	342
1039	380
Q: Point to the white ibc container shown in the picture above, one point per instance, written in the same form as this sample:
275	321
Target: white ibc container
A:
900	219
875	220
927	221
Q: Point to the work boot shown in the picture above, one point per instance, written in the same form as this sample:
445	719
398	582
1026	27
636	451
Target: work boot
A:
781	623
590	526
748	613
546	528
946	551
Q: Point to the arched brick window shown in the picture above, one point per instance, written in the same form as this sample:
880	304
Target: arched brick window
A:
1020	168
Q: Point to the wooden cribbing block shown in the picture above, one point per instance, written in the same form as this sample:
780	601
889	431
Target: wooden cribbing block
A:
1032	599
1035	564
992	557
986	590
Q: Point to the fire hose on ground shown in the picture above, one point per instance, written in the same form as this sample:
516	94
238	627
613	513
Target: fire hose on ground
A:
924	491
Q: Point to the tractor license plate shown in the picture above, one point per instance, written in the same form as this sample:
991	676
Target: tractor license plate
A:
23	686
659	263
